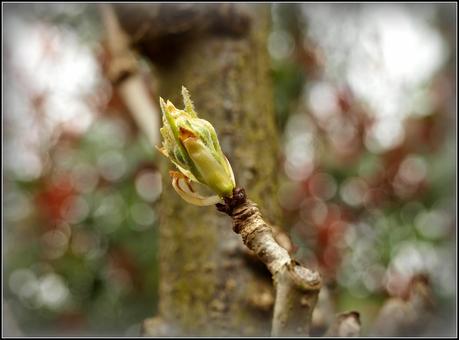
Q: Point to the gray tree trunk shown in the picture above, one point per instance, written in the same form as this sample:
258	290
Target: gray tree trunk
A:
209	284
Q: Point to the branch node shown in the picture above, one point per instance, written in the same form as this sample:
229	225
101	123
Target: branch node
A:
238	198
303	277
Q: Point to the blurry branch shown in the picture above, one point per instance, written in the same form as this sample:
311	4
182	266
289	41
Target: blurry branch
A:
160	30
178	18
124	73
406	316
346	324
324	313
306	53
297	287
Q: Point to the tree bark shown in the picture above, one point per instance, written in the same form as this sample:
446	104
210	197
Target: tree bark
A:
209	285
297	287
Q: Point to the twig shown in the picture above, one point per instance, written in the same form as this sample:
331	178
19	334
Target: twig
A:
297	287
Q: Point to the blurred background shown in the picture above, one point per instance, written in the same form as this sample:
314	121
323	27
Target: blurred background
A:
365	100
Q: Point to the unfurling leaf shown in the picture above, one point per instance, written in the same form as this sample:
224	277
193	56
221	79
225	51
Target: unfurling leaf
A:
191	143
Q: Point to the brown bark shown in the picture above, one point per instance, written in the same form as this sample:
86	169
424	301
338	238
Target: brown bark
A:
207	280
297	287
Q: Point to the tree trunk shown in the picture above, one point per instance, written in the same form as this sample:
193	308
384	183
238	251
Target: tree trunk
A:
209	283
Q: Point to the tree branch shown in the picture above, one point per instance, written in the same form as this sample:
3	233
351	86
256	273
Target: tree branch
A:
124	73
297	287
162	31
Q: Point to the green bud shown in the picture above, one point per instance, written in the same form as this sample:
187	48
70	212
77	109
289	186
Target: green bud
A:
191	143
